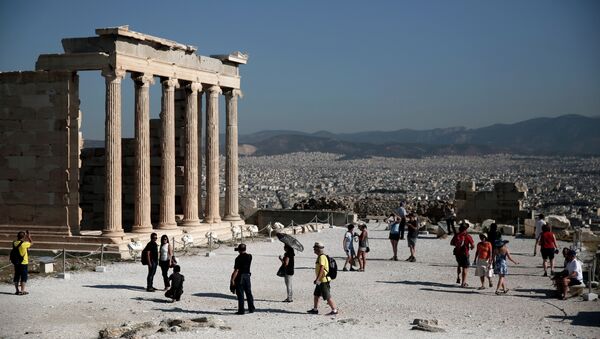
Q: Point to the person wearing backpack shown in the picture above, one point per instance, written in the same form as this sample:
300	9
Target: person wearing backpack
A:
322	280
462	243
20	259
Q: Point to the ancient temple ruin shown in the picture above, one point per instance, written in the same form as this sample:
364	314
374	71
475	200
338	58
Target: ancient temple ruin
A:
41	144
503	204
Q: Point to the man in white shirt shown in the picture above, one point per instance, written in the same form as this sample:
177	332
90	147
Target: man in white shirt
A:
575	273
538	231
401	213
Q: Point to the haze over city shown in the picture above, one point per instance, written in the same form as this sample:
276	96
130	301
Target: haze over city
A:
347	66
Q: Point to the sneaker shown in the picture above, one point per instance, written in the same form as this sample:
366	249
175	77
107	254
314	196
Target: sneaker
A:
333	312
150	289
312	311
251	310
239	312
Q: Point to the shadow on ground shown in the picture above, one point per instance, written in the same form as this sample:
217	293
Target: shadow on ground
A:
224	296
581	319
118	287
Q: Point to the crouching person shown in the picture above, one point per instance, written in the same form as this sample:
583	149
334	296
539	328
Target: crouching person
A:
176	279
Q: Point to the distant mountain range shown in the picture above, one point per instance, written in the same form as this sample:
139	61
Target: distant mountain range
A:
564	135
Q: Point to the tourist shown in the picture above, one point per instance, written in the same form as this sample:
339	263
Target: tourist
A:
483	261
23	243
287	261
165	259
348	246
401	213
493	235
501	265
321	282
363	247
538	231
450	218
462	243
240	279
151	255
548	248
574	275
394	235
176	286
411	237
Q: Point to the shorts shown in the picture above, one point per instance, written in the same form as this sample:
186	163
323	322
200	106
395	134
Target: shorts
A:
574	282
350	252
547	253
323	290
483	269
462	260
20	273
412	241
394	236
363	249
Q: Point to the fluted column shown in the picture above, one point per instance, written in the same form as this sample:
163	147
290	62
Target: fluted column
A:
190	199
142	222
167	168
200	121
231	162
212	155
112	132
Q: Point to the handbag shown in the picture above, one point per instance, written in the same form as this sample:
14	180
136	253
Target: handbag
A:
174	261
281	271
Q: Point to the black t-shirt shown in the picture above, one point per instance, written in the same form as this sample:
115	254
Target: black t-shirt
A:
152	247
289	269
413	229
243	262
176	280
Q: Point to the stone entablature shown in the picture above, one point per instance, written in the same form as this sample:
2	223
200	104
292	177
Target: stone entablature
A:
180	72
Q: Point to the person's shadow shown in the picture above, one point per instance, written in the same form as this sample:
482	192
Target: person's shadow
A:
422	283
156	300
117	287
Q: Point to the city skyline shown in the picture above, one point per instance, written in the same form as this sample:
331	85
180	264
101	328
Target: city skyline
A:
347	66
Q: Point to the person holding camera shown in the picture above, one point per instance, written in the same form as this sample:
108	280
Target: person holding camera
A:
548	248
23	243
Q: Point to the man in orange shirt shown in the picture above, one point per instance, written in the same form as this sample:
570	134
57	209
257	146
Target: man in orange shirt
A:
22	243
483	261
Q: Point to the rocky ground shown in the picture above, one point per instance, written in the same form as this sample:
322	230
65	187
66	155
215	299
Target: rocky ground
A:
381	302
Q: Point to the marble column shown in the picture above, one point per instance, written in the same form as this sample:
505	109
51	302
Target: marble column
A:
167	168
112	132
200	121
212	155
142	222
190	199
231	162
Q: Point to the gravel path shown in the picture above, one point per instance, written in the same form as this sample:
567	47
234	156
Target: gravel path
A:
381	302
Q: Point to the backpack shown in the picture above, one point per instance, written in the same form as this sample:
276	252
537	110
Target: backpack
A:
145	256
15	255
460	245
333	268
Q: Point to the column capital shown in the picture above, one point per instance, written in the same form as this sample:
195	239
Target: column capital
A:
170	83
145	79
113	74
194	87
234	93
215	90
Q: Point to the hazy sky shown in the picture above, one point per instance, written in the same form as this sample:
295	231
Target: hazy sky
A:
348	66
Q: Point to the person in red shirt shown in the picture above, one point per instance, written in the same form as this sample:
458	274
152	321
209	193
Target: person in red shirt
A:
462	243
548	248
483	261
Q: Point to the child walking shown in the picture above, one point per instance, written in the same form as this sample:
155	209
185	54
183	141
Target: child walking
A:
501	265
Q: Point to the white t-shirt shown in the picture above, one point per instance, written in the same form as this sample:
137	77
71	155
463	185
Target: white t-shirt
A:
538	227
164	253
401	212
575	266
347	240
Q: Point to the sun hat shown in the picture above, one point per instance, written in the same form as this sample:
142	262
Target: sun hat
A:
240	248
318	245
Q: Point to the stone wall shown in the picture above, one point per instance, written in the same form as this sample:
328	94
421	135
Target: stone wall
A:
39	149
503	203
92	174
